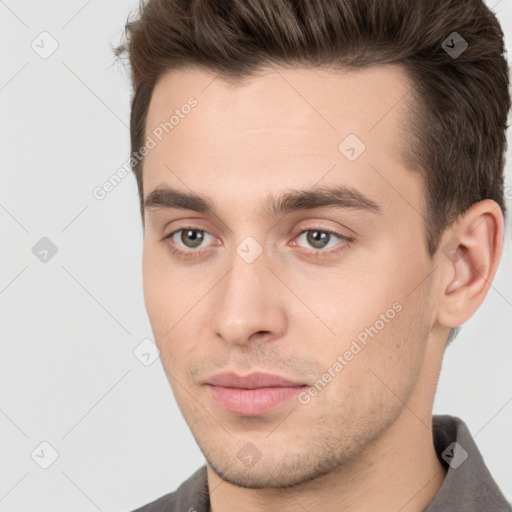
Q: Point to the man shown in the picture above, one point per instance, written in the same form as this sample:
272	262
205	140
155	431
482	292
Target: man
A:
321	188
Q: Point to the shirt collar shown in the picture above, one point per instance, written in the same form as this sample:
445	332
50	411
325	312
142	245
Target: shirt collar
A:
468	485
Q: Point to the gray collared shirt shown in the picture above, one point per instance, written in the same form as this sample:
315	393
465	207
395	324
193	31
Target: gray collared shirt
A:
467	487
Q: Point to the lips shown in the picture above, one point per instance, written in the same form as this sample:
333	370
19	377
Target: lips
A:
252	381
251	395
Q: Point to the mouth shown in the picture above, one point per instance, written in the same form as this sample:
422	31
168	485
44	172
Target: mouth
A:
253	394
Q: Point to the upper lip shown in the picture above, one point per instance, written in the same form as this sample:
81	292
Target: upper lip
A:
251	381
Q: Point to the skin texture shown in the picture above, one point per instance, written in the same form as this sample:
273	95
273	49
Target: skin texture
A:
364	442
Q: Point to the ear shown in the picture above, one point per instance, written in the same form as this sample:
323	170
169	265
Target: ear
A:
469	255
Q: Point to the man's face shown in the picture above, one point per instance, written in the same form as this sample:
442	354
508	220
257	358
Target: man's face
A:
262	291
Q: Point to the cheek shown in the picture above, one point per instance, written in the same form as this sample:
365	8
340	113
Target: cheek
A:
343	302
375	316
382	372
164	285
162	300
174	308
155	296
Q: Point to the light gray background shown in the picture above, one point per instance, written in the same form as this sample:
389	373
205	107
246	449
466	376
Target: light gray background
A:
69	326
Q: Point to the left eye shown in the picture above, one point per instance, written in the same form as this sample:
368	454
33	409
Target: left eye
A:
319	238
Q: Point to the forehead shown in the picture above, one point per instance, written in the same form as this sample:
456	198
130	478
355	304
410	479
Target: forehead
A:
338	100
276	127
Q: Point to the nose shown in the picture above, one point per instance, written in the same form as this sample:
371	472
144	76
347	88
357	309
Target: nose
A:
249	303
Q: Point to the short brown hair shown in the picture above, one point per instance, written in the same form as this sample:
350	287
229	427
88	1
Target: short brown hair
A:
459	120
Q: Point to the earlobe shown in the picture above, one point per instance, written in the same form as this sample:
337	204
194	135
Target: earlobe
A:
469	256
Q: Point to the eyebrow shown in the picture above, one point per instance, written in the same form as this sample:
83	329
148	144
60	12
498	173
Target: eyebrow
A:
338	196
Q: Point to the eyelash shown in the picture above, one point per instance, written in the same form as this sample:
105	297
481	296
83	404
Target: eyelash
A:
315	253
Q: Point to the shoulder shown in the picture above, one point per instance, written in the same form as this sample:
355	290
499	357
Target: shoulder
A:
191	496
468	485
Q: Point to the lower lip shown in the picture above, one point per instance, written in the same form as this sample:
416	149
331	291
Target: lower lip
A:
252	402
